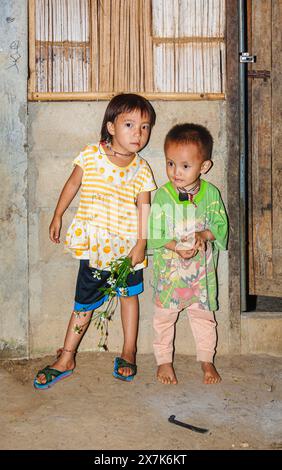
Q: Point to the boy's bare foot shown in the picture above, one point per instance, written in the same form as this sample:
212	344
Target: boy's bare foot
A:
211	376
166	374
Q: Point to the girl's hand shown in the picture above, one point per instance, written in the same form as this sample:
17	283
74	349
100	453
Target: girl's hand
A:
55	229
68	193
137	254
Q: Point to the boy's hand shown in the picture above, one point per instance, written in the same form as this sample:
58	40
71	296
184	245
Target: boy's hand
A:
186	254
200	241
137	254
181	250
55	229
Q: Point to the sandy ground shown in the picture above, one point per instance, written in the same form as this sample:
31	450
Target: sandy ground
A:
92	410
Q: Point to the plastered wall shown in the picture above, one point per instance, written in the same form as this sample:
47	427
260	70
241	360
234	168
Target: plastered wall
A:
14	323
57	132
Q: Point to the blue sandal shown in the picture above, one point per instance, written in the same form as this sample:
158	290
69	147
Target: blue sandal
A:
52	376
119	362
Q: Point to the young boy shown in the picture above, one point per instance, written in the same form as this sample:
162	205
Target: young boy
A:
187	227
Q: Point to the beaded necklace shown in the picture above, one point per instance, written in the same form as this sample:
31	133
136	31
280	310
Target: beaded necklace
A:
188	195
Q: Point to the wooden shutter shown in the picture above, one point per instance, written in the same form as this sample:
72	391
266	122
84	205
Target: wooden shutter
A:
265	221
93	49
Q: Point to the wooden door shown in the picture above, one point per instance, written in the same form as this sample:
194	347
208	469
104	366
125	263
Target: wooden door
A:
265	148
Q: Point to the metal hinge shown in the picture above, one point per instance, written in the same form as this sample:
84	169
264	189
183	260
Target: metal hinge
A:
264	74
245	57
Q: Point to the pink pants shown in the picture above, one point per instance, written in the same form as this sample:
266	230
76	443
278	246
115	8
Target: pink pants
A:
203	327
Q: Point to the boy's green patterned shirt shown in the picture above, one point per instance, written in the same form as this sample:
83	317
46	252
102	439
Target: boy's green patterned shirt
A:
179	283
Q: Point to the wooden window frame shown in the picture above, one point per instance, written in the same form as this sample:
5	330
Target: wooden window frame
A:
105	96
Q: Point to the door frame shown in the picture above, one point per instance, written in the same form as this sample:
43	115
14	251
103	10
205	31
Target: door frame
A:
233	173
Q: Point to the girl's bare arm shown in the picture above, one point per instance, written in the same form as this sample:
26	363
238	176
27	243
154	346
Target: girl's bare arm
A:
68	193
143	207
137	253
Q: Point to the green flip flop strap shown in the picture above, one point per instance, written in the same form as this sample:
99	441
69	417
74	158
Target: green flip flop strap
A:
121	363
49	373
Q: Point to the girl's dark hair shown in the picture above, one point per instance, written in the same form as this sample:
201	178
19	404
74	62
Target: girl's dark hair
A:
125	103
186	133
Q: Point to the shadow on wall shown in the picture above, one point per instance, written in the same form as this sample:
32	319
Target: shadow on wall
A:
258	303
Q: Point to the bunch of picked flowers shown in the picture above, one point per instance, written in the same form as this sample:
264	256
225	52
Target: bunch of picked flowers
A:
117	281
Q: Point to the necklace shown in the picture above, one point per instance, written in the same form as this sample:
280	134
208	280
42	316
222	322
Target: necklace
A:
188	195
108	145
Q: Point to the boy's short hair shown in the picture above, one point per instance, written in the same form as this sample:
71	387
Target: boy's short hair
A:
187	133
125	103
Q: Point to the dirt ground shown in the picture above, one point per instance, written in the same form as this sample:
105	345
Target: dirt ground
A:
92	410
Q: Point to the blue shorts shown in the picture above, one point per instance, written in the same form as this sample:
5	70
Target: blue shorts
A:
87	294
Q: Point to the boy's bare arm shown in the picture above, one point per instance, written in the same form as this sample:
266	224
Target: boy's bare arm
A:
68	193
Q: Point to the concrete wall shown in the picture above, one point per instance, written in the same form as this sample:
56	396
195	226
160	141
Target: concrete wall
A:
261	333
13	171
57	132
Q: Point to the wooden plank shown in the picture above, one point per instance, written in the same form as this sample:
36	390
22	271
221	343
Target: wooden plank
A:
127	60
267	151
61	43
251	273
232	127
32	68
145	47
268	287
141	45
132	84
276	74
186	40
94	57
73	96
261	147
113	46
123	78
104	44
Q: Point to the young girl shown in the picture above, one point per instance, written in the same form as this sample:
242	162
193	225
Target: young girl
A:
188	225
110	222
